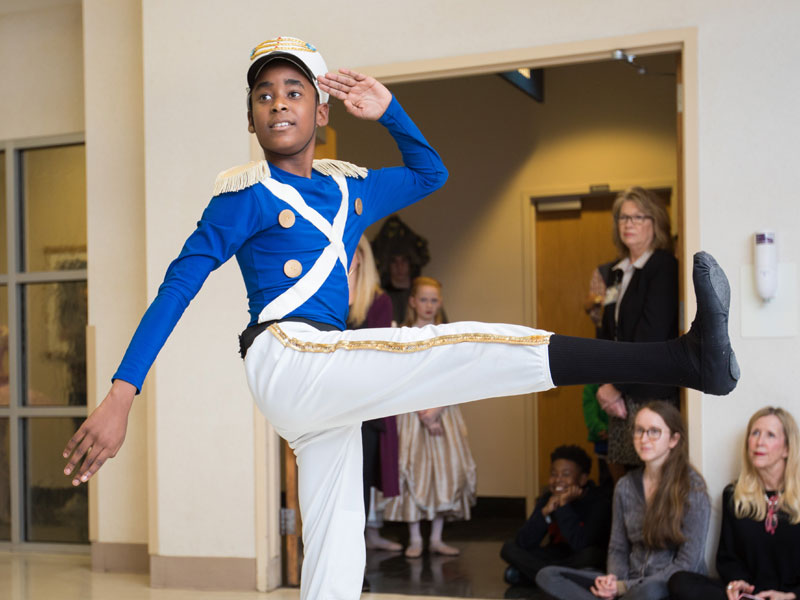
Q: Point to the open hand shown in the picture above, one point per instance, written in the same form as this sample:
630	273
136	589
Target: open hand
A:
101	435
571	493
363	96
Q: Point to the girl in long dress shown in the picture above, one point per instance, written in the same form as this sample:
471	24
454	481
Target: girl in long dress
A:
437	471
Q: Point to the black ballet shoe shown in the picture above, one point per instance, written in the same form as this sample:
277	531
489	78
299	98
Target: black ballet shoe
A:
707	341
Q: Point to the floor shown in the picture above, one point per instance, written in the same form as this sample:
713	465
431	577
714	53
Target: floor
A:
68	577
476	573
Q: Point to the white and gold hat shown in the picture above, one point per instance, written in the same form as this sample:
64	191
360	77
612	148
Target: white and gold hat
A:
300	53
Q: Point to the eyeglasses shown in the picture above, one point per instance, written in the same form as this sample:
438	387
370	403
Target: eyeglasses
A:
653	433
637	220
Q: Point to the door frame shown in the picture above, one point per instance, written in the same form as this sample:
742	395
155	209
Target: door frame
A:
683	41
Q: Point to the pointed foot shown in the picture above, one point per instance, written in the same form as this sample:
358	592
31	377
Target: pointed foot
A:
707	340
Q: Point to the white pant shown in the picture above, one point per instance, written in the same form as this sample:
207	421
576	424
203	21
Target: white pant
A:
316	387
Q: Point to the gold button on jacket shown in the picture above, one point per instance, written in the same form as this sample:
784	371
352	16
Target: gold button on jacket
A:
292	268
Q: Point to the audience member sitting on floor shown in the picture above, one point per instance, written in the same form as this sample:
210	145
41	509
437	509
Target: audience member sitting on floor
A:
574	512
660	519
759	545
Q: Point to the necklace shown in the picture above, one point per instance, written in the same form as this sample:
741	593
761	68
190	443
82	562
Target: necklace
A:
771	522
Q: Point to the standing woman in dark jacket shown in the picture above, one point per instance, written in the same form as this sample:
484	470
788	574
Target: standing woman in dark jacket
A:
641	305
759	544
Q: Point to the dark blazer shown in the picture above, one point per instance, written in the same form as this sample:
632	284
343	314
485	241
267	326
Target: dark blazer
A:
648	313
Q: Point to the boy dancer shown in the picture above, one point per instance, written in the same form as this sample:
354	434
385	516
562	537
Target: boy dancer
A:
293	224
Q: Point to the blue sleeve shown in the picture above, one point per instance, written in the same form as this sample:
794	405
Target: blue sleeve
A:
393	188
228	221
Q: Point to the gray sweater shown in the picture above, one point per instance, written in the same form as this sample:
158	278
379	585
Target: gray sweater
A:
628	556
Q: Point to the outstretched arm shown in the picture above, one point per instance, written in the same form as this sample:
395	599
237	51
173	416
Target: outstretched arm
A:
363	96
102	433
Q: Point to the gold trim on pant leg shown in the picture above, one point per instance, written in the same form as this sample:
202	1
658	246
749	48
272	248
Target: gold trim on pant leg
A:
405	347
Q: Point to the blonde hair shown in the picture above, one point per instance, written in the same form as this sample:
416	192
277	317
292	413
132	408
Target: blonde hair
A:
411	313
652	206
366	285
749	495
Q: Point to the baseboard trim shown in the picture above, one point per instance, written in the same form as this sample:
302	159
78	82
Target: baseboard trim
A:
120	558
202	572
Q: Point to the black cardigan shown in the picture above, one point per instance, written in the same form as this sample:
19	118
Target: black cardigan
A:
648	313
748	552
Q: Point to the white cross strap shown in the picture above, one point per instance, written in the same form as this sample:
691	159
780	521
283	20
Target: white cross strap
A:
334	252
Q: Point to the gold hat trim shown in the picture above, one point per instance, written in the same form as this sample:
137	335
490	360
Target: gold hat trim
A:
281	44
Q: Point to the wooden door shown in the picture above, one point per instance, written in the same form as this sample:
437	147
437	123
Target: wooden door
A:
569	245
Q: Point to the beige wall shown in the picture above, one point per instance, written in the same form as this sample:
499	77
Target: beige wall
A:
116	240
204	484
164	113
42	94
744	101
600	123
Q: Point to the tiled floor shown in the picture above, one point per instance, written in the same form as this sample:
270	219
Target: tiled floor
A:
476	573
26	576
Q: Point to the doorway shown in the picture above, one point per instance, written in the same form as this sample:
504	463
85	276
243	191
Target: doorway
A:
579	229
470	234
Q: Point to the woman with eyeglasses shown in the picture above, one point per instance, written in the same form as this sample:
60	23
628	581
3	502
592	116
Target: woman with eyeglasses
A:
640	305
759	545
659	522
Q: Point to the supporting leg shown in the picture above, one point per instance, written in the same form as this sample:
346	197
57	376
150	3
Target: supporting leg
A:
332	505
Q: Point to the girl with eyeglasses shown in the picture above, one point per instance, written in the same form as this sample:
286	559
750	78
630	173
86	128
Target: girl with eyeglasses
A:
759	545
659	523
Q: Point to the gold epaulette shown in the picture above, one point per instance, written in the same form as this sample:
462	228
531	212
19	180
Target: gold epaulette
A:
244	176
328	166
241	177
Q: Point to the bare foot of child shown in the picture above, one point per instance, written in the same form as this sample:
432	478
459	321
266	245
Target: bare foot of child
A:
376	542
414	549
443	549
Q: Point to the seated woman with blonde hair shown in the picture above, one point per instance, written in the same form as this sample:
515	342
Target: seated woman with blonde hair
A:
759	545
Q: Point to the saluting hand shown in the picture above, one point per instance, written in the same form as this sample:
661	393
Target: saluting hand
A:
363	96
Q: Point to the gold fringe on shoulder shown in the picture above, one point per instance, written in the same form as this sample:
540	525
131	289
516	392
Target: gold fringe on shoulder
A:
328	166
241	177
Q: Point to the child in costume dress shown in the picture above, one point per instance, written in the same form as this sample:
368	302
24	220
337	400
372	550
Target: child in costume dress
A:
437	472
293	224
